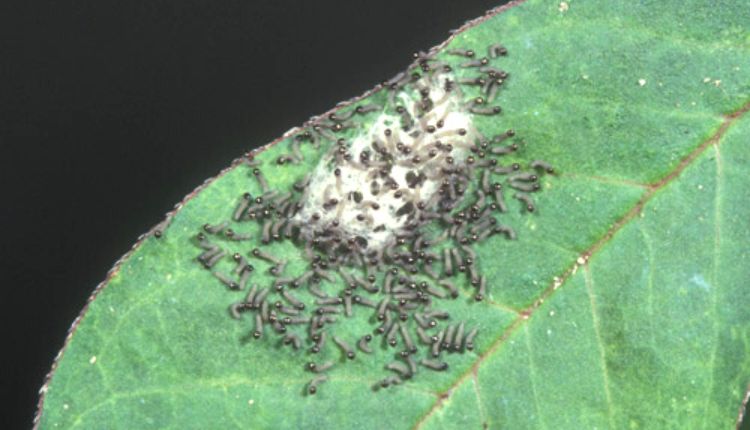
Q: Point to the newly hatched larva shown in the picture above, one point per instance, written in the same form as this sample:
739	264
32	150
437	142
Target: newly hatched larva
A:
312	387
434	365
348	351
292	339
261	180
543	165
402	369
363	344
215	229
212	258
319	368
226	280
469	340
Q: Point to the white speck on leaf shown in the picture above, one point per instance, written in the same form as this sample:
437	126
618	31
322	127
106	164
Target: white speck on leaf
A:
92	360
700	281
564	6
641	82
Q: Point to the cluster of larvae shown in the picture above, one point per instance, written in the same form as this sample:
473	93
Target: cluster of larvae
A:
388	221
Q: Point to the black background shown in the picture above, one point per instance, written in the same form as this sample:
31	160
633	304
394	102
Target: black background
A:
110	113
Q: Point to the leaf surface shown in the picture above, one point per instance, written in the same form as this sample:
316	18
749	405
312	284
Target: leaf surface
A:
623	303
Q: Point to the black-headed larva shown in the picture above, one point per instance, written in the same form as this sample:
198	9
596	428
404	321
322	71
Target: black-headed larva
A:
434	365
469	340
312	387
402	369
363	344
292	339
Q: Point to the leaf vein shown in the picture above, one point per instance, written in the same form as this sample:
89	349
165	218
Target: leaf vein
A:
715	275
589	281
532	378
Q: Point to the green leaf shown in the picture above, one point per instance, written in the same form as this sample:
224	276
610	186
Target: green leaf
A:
623	303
